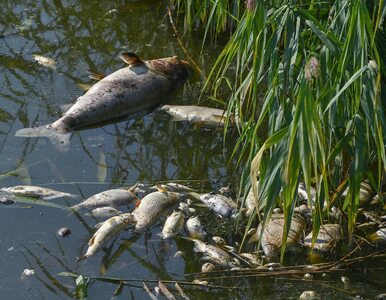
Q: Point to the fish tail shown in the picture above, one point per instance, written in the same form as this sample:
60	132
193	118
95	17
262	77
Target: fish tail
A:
80	258
61	141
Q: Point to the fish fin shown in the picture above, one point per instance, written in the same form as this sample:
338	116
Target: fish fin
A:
61	141
96	75
84	86
92	240
133	187
131	59
138	203
160	188
254	238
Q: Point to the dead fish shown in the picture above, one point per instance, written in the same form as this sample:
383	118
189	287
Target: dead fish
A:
174	224
152	206
378	237
107	231
113	198
184	207
198	114
174	187
249	203
106	212
272	234
328	237
365	193
195	229
215	254
138	87
207	267
44	61
220	204
36	192
302	193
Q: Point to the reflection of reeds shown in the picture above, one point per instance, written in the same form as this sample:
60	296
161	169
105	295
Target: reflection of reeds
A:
52	284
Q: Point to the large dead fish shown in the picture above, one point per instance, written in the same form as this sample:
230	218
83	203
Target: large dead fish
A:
140	86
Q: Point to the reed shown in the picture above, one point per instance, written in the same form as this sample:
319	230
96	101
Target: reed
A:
308	74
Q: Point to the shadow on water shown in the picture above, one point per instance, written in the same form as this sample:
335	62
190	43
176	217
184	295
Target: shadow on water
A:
88	35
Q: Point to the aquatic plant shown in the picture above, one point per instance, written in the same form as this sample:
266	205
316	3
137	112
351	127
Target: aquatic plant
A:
305	78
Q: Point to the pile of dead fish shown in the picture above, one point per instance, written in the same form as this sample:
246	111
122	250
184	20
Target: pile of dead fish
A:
173	205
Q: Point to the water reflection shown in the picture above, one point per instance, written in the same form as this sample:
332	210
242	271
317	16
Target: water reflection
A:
83	36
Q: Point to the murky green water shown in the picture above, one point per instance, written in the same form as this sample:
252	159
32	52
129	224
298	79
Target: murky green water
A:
89	35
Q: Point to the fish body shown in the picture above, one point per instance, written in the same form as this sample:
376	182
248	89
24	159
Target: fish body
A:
113	198
36	192
220	204
107	231
106	212
198	114
152	206
215	254
272	233
327	239
44	61
195	228
174	224
136	88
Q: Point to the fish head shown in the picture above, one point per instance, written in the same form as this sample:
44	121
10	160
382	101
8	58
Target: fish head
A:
174	68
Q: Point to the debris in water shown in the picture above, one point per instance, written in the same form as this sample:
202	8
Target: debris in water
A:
64	231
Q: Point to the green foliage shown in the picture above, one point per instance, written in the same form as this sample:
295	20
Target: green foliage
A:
309	74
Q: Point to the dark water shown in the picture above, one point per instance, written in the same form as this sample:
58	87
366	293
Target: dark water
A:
89	35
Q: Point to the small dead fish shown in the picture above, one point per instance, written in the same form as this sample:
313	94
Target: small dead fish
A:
152	206
174	224
113	198
36	192
64	231
302	193
220	204
174	187
219	240
253	259
207	267
198	114
184	207
195	229
108	230
106	212
44	61
215	254
378	237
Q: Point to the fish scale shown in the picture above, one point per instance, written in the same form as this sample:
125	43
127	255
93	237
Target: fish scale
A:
153	206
